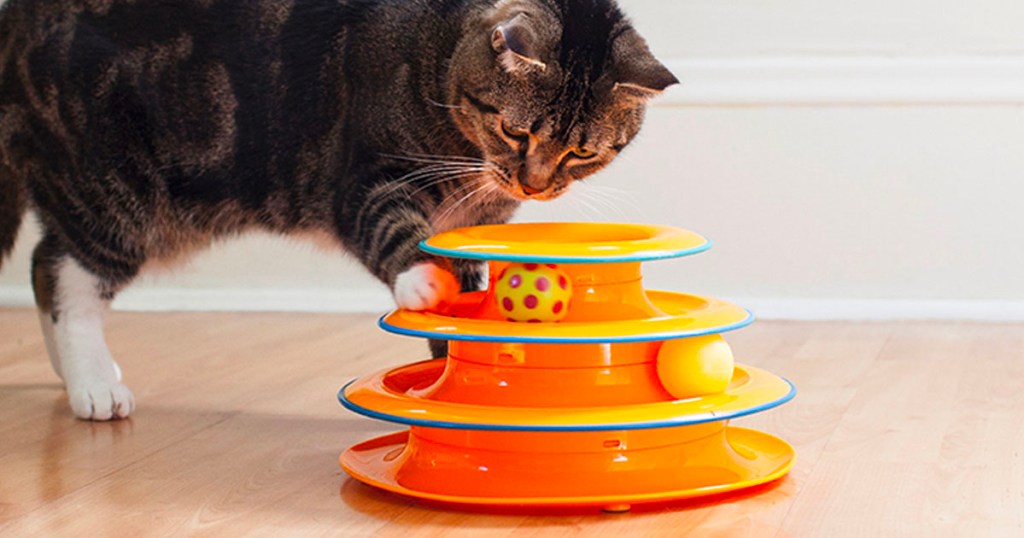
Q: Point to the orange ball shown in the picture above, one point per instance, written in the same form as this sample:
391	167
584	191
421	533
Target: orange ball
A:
533	292
692	367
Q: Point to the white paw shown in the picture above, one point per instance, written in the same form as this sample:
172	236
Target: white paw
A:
425	286
100	400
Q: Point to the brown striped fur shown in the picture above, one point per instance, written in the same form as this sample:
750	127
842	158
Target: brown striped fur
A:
141	130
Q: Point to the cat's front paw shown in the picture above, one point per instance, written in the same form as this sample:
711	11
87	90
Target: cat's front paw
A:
425	286
100	400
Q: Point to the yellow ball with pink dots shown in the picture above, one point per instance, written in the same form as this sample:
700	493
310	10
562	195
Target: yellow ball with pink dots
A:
533	292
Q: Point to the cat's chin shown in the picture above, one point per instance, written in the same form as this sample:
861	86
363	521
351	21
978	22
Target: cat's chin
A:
547	195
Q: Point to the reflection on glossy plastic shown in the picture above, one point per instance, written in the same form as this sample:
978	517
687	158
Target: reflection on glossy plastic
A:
466	394
566	242
601	469
567	412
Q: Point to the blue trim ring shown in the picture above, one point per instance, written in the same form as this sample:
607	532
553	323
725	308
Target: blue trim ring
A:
611	339
687	420
679	315
527	258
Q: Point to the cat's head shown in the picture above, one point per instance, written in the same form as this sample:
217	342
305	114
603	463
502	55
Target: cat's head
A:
551	91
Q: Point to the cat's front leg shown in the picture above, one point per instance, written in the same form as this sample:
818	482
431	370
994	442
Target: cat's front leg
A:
425	286
470	276
73	302
384	230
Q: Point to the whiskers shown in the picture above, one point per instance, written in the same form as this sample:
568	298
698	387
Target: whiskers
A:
482	188
436	170
601	202
433	159
443	105
462	181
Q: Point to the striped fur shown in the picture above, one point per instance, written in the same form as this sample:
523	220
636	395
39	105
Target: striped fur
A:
141	130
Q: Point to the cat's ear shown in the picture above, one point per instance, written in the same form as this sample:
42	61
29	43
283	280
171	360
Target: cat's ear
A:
516	45
638	74
645	80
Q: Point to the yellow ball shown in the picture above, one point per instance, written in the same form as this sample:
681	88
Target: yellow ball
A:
533	292
692	367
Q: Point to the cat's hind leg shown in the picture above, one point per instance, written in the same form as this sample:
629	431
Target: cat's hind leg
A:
43	283
73	302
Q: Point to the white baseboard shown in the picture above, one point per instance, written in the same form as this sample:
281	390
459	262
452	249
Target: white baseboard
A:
846	80
883	309
232	300
373	301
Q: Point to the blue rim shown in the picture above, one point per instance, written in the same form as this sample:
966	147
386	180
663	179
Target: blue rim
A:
528	258
679	421
565	340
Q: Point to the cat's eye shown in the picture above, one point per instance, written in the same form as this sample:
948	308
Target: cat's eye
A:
583	154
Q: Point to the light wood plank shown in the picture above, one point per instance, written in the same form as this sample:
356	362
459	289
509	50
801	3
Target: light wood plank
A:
901	429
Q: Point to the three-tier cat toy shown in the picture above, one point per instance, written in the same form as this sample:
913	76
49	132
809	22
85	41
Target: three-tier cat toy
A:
568	383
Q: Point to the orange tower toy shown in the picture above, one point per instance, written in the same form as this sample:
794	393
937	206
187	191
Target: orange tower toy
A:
625	399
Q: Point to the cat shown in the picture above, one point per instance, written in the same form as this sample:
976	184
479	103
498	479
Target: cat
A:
142	130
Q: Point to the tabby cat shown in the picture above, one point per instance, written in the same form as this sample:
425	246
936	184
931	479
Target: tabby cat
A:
141	130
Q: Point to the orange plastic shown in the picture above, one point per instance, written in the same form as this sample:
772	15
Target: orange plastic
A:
610	469
609	302
570	412
566	241
462	393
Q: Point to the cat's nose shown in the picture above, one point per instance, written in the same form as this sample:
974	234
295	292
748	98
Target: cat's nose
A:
531	182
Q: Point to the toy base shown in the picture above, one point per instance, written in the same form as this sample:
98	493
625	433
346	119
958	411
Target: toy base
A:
728	459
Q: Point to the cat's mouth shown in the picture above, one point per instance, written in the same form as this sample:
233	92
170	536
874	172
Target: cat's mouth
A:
522	193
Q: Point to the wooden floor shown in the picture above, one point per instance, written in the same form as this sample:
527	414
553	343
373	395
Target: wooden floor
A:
901	429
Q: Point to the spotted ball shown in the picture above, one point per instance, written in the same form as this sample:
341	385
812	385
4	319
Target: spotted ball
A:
533	292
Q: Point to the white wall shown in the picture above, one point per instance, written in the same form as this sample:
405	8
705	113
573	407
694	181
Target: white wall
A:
849	159
702	28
